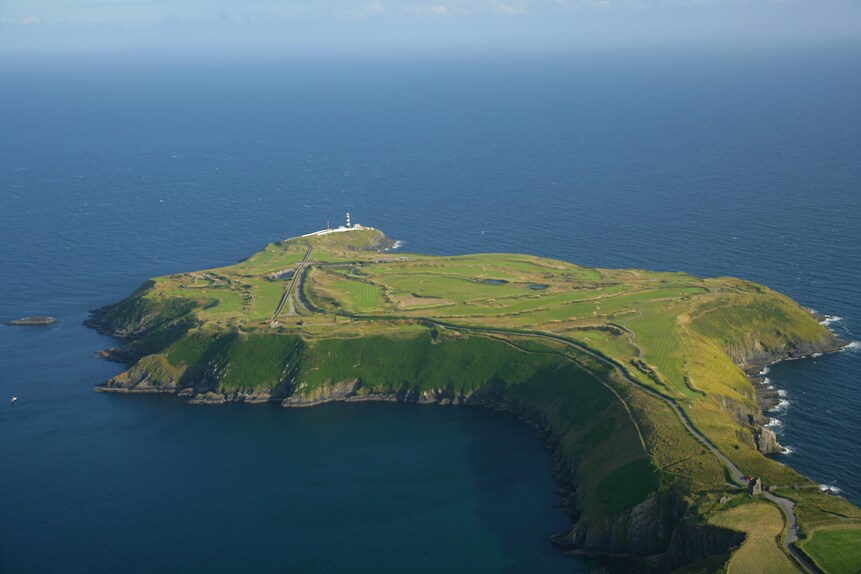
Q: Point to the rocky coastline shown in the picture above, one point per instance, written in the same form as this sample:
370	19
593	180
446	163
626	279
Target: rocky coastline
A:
756	364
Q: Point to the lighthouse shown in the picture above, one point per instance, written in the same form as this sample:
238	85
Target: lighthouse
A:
348	219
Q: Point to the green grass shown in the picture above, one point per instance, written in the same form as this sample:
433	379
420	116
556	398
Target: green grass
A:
414	363
254	361
274	257
762	524
210	330
267	296
835	551
360	296
657	333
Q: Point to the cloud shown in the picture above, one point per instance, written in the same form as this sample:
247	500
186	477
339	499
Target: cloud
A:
429	10
507	9
359	11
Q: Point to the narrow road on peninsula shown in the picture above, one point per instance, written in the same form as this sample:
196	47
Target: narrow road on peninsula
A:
288	292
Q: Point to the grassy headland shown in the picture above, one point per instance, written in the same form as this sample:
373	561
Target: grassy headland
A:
635	378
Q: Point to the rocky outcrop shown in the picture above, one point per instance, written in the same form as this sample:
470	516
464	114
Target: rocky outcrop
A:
149	375
758	354
766	441
304	397
152	374
767	396
753	360
644	530
32	321
207	398
354	391
256	396
695	541
655	533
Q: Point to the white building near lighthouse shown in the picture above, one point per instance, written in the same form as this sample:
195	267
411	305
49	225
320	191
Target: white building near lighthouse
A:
348	226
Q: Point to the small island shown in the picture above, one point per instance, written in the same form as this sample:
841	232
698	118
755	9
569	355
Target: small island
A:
642	383
32	321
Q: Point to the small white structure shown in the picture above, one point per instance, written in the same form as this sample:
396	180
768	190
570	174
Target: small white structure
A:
348	227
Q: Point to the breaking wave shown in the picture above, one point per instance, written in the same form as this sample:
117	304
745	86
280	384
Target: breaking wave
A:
781	406
830	320
774	423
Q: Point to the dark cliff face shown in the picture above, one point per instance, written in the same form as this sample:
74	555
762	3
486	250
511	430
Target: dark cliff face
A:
692	542
656	534
644	530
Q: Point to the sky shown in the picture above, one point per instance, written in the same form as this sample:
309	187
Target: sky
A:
405	27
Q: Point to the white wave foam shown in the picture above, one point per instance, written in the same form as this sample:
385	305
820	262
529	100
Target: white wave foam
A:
830	319
831	487
782	394
816	355
788	449
853	346
774	424
782	405
398	244
765	371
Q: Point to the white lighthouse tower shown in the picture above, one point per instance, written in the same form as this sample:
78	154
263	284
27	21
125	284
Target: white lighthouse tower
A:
348	220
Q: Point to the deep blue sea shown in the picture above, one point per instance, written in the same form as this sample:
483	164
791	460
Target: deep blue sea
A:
113	171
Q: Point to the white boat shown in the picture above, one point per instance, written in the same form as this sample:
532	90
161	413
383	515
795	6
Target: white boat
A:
12	400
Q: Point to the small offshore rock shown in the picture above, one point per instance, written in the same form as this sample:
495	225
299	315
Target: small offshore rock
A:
32	321
766	442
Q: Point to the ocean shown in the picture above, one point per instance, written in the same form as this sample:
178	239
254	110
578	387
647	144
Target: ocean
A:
116	170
